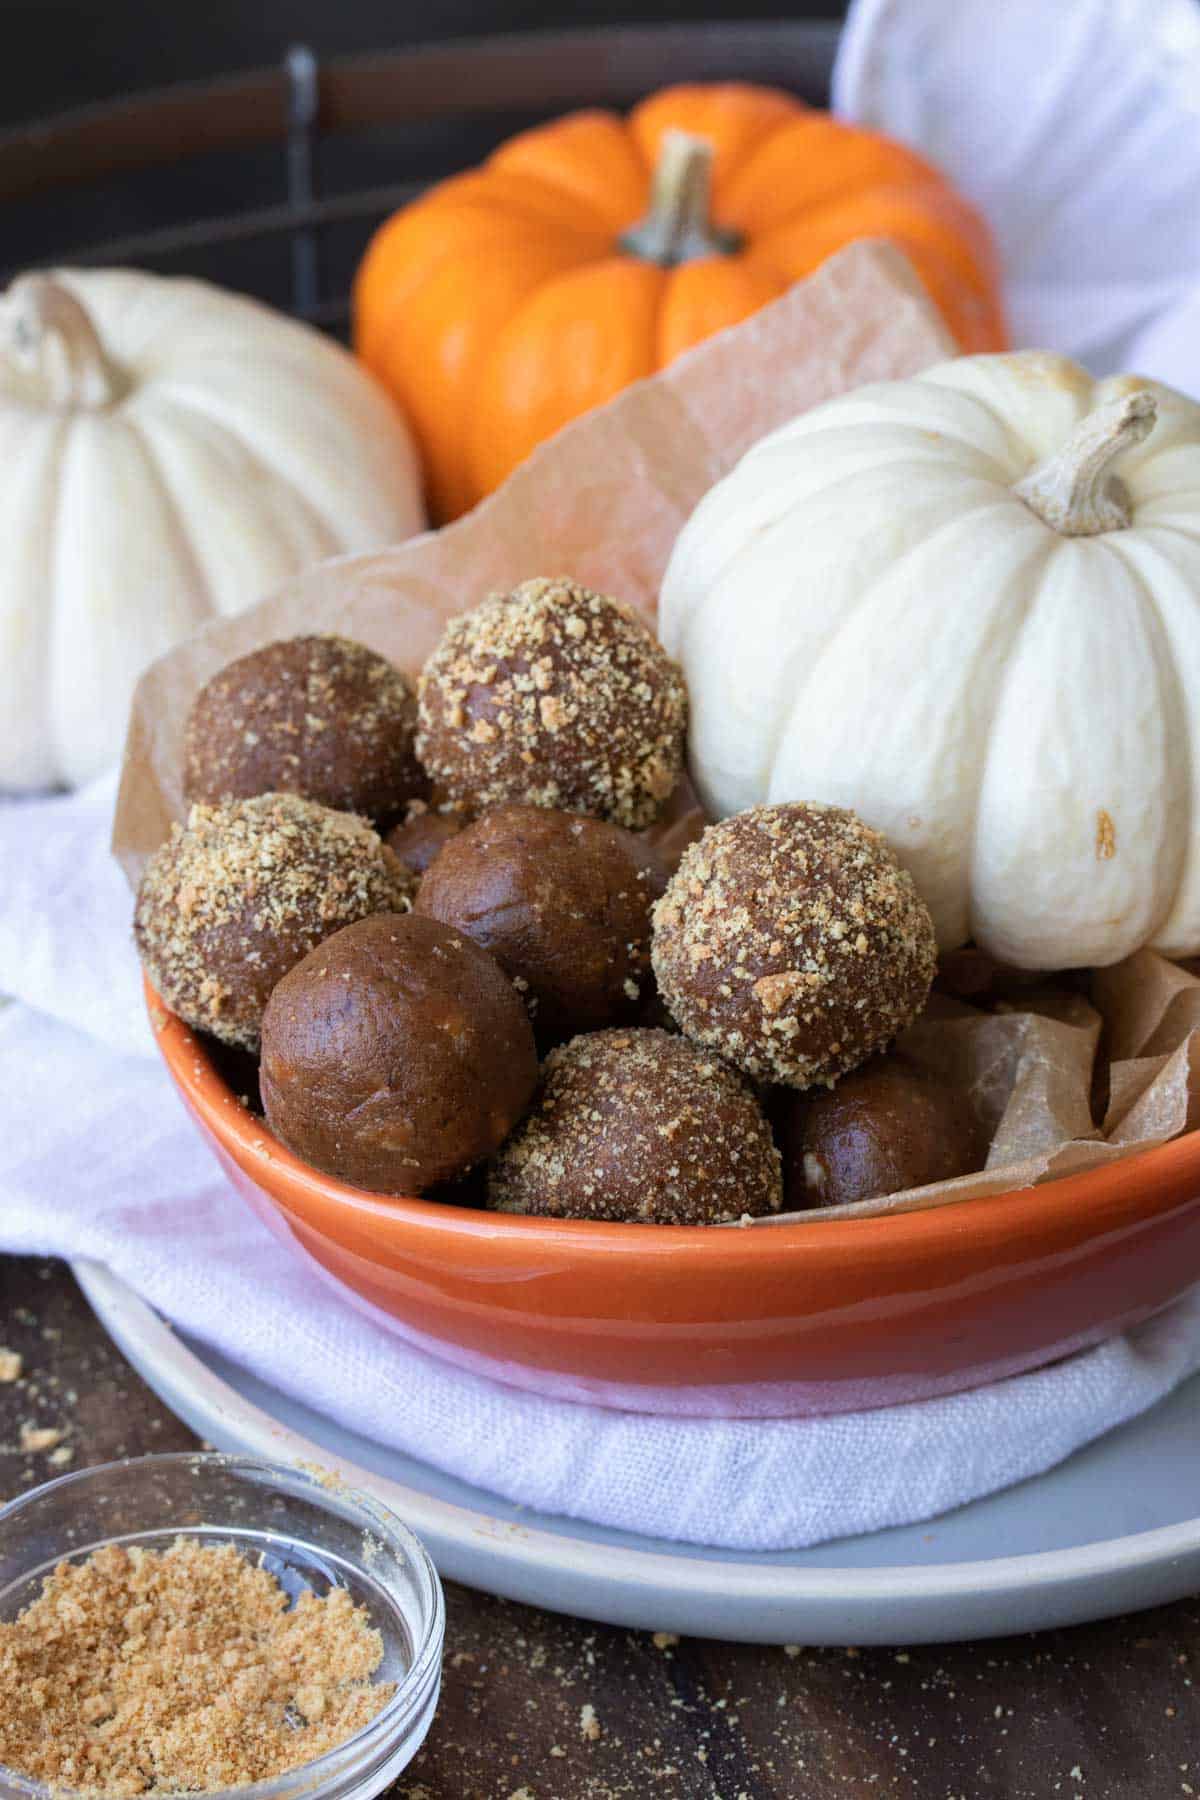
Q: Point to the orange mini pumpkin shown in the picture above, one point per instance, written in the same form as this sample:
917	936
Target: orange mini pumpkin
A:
591	251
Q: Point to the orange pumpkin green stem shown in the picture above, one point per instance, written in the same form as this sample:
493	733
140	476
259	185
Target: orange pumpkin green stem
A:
585	254
678	225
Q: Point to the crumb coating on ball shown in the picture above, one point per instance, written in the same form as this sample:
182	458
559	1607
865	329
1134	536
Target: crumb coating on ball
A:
236	897
791	942
553	696
637	1125
320	716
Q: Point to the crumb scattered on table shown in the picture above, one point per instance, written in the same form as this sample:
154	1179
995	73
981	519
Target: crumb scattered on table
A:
36	1438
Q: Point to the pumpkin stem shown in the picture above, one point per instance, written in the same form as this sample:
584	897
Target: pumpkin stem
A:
678	226
48	338
1075	490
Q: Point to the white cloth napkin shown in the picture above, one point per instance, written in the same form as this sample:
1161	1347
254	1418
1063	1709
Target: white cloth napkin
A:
1077	128
98	1159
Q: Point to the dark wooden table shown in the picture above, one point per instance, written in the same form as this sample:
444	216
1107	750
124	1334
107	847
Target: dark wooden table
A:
536	1707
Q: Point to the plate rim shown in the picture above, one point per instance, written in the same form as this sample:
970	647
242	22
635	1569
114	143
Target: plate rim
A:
520	1548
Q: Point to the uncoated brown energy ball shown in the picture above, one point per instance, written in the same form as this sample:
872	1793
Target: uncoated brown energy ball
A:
396	1055
562	902
639	1126
888	1126
233	900
422	834
319	716
791	942
553	696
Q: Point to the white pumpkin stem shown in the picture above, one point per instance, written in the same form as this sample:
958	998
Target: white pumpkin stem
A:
1075	490
49	338
678	225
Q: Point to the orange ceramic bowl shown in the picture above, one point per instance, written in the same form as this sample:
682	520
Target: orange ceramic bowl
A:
819	1316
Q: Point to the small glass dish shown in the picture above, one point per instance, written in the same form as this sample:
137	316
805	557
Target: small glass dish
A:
307	1529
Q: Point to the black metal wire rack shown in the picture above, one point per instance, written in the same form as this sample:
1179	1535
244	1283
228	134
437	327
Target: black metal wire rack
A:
272	181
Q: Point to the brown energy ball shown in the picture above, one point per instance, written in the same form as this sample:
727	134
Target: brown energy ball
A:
885	1127
639	1126
318	716
396	1055
553	696
562	902
792	943
422	833
233	900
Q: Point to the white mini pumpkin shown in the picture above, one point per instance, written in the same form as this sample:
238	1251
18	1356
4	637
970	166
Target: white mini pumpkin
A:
968	606
169	452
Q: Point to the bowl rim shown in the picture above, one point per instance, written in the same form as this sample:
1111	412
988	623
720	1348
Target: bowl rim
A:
381	1733
1063	1203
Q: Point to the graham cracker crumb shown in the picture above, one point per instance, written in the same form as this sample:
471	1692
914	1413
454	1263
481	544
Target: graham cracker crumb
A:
36	1438
180	1670
11	1365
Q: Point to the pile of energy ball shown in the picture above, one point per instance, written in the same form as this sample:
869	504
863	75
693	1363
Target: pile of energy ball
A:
400	901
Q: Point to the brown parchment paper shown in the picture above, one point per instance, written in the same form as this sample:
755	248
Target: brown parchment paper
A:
1060	1077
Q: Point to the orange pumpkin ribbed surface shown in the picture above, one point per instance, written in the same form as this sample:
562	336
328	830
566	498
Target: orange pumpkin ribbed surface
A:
593	250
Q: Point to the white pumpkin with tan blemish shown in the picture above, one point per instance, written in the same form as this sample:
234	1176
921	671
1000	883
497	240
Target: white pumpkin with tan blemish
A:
170	453
968	606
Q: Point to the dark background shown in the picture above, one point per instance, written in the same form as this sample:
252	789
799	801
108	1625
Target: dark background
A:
63	53
223	209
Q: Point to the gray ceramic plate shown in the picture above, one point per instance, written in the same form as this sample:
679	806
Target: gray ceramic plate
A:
1111	1530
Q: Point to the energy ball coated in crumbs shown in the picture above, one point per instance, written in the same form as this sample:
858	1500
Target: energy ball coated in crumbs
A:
639	1126
320	716
553	696
791	942
239	895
